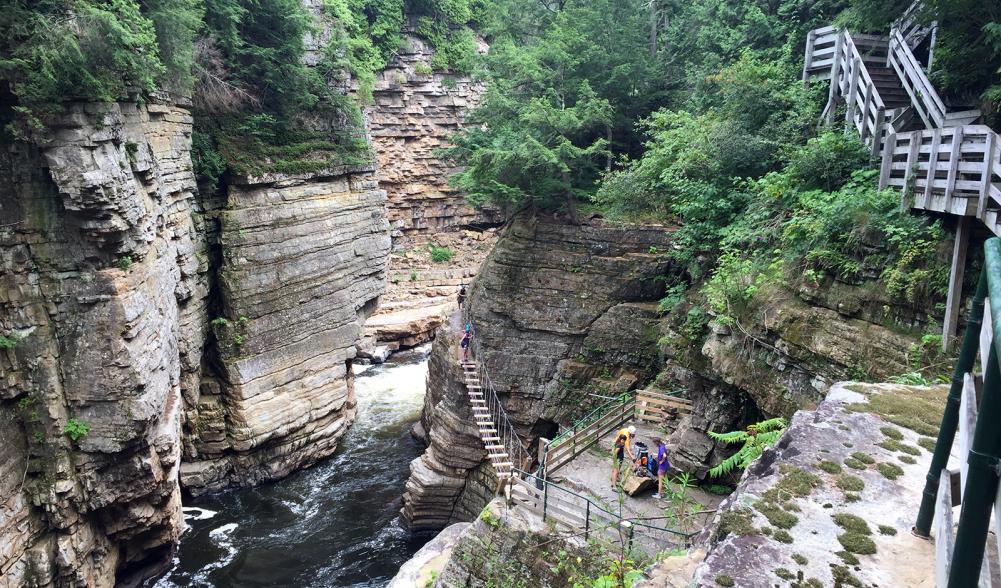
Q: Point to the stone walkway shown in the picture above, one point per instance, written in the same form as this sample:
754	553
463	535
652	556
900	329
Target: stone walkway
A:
590	473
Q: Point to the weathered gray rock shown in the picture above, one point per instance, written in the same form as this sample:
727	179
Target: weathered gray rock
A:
564	317
303	265
412	115
787	480
103	285
421	569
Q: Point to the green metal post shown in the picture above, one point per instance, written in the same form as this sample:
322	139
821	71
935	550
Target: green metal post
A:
950	417
545	499
587	520
985	451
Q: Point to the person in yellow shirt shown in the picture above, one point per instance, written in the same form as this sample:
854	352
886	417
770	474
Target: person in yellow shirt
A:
623	445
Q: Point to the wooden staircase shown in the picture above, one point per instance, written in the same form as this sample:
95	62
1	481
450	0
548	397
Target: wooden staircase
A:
486	422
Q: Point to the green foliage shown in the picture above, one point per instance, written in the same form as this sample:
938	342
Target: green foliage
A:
754	440
9	341
724	580
441	254
850	522
891	471
850	483
83	49
857	543
967	45
76	429
565	86
124	262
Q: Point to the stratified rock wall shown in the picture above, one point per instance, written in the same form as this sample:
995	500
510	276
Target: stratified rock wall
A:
564	317
103	289
303	265
414	111
451	481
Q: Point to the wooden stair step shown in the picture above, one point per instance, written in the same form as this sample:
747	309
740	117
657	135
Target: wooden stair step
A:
494	456
477	401
481	408
504	464
491	438
488	447
485	431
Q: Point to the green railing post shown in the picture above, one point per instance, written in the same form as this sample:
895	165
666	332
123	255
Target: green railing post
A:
950	417
981	484
545	499
587	520
981	487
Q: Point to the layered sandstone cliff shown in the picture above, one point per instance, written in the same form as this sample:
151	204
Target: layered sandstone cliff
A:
302	265
155	325
565	316
104	294
414	112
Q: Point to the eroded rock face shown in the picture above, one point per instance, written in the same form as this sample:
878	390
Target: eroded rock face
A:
303	264
814	488
564	317
451	481
414	111
103	288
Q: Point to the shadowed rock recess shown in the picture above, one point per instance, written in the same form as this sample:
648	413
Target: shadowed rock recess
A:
171	328
565	315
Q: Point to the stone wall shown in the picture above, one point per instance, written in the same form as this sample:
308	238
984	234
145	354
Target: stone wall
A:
414	111
103	288
565	316
303	262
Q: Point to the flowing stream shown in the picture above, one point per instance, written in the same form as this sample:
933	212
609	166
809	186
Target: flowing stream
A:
332	525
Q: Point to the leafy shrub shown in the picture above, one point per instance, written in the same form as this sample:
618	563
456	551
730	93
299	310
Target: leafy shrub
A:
755	439
8	341
76	429
124	262
441	254
826	162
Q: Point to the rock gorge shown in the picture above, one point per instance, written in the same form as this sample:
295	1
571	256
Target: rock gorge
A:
567	316
204	341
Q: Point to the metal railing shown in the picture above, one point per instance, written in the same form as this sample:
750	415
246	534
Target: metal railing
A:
642	405
960	560
516	450
590	520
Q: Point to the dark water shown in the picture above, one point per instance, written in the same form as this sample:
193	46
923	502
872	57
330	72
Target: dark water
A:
332	525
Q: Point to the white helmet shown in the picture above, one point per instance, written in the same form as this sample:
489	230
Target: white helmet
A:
632	430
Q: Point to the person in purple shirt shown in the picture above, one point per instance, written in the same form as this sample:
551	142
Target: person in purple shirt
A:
663	465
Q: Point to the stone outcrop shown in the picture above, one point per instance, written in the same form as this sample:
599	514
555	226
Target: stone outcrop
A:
104	294
156	326
451	481
783	353
414	111
564	315
302	266
830	510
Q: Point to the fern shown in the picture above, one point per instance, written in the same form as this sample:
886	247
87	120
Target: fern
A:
756	438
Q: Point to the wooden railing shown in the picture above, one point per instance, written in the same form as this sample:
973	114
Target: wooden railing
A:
838	52
658	407
591	521
924	98
955	170
960	560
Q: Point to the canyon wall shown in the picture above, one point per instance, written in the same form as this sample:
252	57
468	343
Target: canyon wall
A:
302	265
565	316
104	298
144	325
414	110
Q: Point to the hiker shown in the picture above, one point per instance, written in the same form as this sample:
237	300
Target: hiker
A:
663	465
623	446
462	295
467	337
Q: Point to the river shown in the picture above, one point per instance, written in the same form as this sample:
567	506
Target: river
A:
334	525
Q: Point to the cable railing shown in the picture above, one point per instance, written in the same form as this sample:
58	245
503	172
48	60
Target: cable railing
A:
588	519
505	430
959	557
